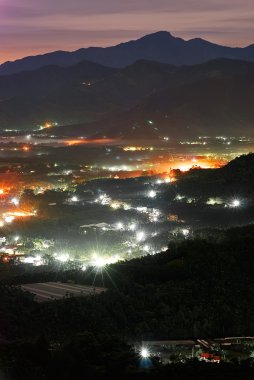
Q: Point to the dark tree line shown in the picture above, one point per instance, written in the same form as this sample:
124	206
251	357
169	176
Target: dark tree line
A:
202	287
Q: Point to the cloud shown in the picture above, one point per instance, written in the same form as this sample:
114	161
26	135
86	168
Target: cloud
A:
38	7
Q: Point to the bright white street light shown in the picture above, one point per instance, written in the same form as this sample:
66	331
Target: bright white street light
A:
132	227
100	262
119	226
236	203
62	257
144	353
9	218
152	194
15	201
140	236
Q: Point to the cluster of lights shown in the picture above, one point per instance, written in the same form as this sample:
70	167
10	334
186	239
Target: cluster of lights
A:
193	143
120	168
137	148
128	227
160	181
9	217
235	203
62	257
104	200
153	214
214	201
34	260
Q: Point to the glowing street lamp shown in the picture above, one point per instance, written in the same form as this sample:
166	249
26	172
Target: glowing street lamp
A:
140	236
185	231
15	201
62	257
9	218
120	226
132	227
152	194
100	262
236	203
145	353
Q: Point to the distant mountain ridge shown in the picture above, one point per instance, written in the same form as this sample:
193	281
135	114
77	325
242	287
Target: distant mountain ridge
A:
107	98
213	106
160	46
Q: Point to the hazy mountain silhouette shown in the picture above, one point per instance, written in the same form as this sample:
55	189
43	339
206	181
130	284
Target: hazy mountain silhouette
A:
179	99
160	46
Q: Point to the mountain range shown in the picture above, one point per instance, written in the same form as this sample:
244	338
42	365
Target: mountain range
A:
211	106
145	98
94	100
160	46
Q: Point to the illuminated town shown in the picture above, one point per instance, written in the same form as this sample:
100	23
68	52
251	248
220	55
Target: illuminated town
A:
114	207
126	190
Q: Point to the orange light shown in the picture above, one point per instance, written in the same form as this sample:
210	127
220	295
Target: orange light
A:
1	191
22	214
19	214
26	148
82	142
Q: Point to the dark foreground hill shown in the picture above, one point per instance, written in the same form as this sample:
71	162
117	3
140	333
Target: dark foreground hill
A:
233	181
198	288
161	47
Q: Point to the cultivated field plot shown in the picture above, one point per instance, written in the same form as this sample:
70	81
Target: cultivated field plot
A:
49	291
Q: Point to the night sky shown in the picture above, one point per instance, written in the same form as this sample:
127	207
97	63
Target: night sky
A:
30	27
